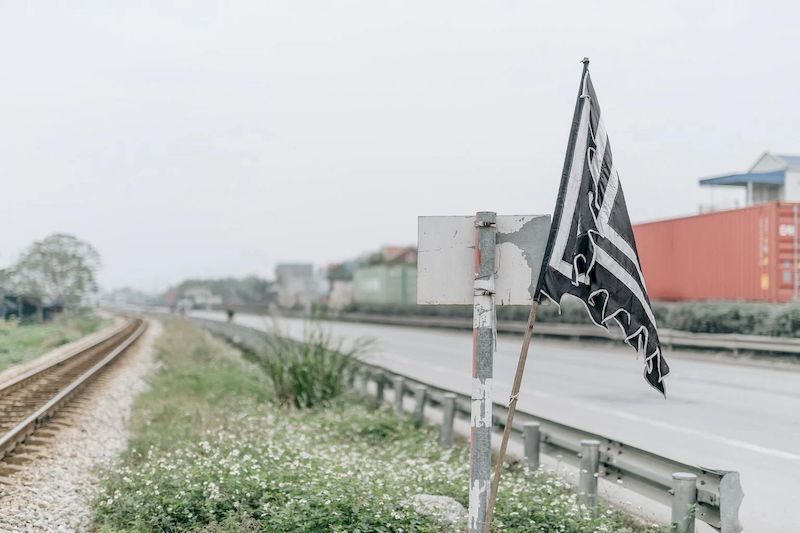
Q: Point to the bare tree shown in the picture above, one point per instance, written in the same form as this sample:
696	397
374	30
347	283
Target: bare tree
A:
59	268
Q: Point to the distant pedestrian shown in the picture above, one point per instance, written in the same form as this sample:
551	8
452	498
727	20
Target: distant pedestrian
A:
229	311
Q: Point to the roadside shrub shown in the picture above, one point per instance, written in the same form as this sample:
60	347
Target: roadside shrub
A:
572	311
749	318
720	317
310	372
785	322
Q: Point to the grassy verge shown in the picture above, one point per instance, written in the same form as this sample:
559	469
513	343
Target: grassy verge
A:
20	343
213	451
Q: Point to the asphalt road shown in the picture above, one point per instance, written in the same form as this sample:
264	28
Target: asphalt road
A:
716	415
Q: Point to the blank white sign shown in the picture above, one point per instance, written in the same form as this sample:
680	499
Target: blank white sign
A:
446	260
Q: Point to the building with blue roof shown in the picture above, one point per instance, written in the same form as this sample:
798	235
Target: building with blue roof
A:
773	178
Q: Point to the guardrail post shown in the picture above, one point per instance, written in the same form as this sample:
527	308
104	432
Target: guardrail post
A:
590	462
420	395
399	385
684	502
380	380
448	417
363	382
530	432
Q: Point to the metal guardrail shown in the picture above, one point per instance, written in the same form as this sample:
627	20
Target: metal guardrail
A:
718	493
670	338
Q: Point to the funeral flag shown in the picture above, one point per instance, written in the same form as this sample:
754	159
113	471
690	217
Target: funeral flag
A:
591	252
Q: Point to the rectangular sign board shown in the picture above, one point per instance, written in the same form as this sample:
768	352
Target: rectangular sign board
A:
446	258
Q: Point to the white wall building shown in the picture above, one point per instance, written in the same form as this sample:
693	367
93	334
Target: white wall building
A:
202	297
341	294
772	178
297	284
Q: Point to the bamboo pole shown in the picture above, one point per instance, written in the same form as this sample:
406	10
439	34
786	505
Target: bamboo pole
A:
512	407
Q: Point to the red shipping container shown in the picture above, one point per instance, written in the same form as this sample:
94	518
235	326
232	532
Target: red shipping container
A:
742	254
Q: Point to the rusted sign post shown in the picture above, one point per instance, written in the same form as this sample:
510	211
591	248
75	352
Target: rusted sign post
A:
486	260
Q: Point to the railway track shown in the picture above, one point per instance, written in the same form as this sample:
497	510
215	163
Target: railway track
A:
31	399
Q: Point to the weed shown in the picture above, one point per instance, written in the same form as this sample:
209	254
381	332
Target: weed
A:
311	372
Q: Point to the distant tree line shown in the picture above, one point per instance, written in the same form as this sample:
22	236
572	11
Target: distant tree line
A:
58	271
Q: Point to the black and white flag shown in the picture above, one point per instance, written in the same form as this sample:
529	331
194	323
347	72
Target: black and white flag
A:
591	253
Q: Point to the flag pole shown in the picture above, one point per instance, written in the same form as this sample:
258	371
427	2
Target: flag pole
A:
512	407
528	335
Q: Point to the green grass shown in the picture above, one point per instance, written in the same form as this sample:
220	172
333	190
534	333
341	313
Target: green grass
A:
309	373
214	450
22	342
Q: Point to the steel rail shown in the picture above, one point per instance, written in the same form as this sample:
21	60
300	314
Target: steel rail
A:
17	434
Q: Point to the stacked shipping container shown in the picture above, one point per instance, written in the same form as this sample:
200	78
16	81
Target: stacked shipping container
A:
385	284
742	254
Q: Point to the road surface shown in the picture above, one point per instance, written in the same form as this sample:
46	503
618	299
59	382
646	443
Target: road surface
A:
716	415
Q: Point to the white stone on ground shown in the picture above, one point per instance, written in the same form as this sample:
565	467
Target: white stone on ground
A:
442	508
53	493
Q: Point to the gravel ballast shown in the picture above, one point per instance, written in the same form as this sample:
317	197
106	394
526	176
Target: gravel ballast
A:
54	491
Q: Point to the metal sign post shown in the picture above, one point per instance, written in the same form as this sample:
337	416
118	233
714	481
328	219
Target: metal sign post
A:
483	343
483	261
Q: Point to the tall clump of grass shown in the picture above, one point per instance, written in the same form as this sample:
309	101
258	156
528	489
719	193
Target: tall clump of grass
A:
310	372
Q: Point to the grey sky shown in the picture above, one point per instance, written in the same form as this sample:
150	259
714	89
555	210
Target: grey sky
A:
213	138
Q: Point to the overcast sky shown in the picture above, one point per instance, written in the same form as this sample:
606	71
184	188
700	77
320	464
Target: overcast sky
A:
219	138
